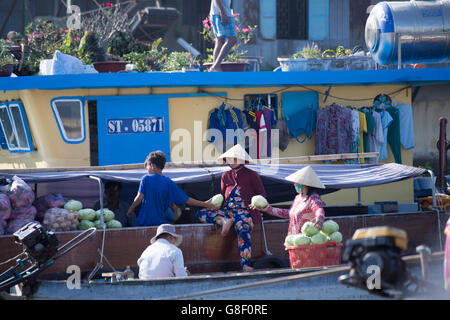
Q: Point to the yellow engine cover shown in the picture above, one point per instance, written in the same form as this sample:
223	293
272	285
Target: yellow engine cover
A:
400	236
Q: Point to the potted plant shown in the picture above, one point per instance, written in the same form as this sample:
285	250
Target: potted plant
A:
102	35
7	60
233	61
148	59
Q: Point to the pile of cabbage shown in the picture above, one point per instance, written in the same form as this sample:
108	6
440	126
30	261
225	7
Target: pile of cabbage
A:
311	235
90	218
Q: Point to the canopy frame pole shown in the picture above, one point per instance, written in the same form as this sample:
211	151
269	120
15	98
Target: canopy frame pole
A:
359	197
102	224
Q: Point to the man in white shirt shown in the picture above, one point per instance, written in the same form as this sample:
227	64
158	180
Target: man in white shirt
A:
163	258
224	30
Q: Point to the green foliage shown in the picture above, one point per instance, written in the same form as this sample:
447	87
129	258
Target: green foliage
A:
152	59
5	54
312	51
177	60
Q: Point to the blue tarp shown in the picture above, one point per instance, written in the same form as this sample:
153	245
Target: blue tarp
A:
333	176
204	182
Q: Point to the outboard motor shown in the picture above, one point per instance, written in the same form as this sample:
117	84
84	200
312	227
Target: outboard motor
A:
376	264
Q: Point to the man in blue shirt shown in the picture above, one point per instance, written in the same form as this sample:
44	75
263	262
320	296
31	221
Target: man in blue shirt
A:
157	193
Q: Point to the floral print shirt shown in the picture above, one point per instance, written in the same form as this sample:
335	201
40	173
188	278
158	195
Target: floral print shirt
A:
302	210
333	130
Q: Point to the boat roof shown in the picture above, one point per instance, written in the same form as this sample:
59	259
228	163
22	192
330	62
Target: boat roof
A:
334	177
414	77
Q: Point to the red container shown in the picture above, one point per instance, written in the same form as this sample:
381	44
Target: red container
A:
328	254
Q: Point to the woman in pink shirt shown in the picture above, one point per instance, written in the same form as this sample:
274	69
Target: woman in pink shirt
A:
307	204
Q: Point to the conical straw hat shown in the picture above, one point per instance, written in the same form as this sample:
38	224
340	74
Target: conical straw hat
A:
236	152
307	177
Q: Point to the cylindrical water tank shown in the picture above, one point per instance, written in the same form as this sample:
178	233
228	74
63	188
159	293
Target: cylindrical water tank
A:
422	26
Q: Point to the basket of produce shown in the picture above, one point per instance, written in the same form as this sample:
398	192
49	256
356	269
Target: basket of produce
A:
314	247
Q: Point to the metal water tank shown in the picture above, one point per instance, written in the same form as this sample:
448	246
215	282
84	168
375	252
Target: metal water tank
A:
422	28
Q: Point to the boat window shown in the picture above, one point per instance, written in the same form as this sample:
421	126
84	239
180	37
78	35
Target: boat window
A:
15	131
70	118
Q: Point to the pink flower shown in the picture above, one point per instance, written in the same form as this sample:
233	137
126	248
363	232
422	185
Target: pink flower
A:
236	15
8	40
77	38
237	29
108	4
246	30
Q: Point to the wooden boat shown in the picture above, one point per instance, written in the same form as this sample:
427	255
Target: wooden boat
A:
320	283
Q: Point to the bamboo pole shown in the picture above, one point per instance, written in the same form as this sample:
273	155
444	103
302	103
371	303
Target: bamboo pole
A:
201	164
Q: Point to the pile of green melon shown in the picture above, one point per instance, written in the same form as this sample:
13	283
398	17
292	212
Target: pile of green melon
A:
311	235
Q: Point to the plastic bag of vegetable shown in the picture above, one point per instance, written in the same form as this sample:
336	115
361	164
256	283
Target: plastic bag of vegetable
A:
5	207
60	219
14	225
20	194
43	203
24	213
3	225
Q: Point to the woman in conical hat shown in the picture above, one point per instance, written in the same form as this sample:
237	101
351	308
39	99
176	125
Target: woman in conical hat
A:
307	205
238	186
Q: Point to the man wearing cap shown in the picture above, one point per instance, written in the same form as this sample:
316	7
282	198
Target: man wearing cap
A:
162	258
238	186
307	205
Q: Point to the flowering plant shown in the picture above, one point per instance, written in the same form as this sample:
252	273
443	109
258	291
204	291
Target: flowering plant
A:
243	34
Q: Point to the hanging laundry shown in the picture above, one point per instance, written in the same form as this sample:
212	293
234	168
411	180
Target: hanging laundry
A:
223	119
394	134
376	138
406	125
362	132
386	121
333	130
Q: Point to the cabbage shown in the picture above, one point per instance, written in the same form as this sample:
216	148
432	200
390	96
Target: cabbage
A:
85	224
217	200
326	235
301	240
330	226
319	238
108	215
336	237
73	205
289	241
113	224
98	224
259	202
308	229
86	214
